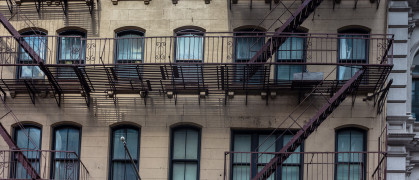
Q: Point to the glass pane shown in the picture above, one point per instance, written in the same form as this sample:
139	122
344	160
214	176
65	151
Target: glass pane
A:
118	147
66	170
72	48
346	72
286	72
22	139
343	145
190	171
241	172
242	143
415	97
189	47
349	172
61	141
130	47
267	146
357	145
291	49
31	72
20	172
178	171
118	170
191	144
352	48
290	173
73	141
179	144
132	142
294	158
184	171
271	177
247	47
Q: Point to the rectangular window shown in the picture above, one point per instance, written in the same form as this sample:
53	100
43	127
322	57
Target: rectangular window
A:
353	49
350	166
189	49
121	165
71	50
185	153
246	46
66	164
38	42
27	139
246	165
291	51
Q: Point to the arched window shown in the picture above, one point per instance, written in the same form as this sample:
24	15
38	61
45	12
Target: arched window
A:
247	141
65	165
293	50
350	166
129	46
121	167
26	138
189	45
71	50
185	153
247	42
37	40
353	49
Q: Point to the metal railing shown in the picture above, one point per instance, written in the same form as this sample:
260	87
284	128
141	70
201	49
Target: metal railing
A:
239	47
49	164
308	165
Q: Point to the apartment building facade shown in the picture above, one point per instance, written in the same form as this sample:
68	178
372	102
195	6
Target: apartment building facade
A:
197	89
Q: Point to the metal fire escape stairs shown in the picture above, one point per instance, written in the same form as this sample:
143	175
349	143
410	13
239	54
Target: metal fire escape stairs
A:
266	52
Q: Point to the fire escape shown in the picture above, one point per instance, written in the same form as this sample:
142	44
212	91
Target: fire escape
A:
157	72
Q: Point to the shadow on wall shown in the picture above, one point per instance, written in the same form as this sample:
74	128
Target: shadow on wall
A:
78	15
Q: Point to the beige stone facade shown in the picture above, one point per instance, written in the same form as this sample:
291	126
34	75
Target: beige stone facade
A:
213	115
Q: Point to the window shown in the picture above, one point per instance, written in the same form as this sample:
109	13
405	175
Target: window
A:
71	50
121	167
37	40
189	49
415	92
129	46
291	51
65	138
350	166
185	153
353	49
189	46
249	142
246	46
28	138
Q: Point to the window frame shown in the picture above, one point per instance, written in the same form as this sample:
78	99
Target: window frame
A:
14	135
53	159
303	60
365	148
29	33
255	143
110	160
71	32
352	32
171	160
116	45
185	31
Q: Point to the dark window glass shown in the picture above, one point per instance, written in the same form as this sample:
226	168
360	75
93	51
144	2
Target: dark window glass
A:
71	50
28	138
353	49
249	142
189	49
246	46
65	164
37	40
121	166
185	154
415	92
129	47
350	166
292	50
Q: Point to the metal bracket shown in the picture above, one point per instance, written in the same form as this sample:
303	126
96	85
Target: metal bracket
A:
83	83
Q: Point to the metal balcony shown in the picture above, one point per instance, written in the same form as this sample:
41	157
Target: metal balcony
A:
212	63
